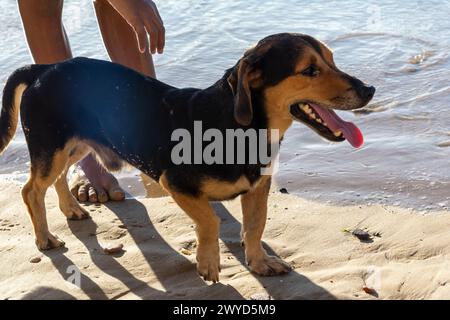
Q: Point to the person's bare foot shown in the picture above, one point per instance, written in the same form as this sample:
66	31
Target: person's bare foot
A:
91	182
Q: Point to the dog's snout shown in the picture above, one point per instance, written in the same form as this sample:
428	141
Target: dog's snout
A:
364	92
367	92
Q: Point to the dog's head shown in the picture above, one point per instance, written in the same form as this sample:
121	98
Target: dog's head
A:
298	80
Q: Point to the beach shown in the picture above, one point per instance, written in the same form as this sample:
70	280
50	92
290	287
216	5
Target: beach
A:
395	188
407	258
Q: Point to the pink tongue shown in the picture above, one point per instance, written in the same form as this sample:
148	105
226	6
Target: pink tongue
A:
349	130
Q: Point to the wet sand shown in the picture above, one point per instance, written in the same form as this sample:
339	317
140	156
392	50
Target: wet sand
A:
407	257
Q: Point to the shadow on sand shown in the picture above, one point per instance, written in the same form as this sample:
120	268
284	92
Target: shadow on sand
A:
174	272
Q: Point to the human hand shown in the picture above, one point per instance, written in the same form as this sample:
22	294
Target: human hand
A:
144	18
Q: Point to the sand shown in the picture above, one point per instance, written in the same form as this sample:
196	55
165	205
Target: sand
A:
408	257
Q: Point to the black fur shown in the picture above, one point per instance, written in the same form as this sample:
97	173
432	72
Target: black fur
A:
131	114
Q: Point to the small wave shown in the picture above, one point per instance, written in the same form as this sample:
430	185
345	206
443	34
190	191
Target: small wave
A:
412	117
372	108
405	54
421	58
444	144
379	34
424	97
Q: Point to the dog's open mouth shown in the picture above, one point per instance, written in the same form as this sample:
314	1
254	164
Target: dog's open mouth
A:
327	123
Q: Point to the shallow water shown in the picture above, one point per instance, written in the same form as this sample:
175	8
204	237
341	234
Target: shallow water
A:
400	47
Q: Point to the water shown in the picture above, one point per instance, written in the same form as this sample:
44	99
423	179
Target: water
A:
401	47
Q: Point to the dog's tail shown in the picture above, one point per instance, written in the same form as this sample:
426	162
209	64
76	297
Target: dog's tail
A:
12	96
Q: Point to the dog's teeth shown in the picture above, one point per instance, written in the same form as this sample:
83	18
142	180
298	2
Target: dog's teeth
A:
306	108
337	133
325	124
319	120
312	115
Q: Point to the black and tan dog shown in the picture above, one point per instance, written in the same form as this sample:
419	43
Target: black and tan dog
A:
82	105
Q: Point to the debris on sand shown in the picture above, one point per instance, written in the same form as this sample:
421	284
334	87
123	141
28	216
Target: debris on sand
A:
35	260
186	252
113	248
362	235
370	291
284	190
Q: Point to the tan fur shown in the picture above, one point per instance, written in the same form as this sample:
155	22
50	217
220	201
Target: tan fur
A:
254	211
220	190
15	109
208	225
324	89
107	157
35	189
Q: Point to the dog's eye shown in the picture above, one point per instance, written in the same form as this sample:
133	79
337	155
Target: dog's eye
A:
311	71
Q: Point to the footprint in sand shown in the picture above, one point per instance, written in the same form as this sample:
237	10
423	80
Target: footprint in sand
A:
6	225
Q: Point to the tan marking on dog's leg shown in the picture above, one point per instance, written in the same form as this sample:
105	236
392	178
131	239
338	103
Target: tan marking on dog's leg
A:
254	211
67	202
33	195
208	224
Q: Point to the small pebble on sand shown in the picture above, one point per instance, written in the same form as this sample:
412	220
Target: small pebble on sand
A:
361	235
370	291
35	260
113	248
186	251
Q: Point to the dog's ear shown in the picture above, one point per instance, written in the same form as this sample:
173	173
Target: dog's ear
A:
244	76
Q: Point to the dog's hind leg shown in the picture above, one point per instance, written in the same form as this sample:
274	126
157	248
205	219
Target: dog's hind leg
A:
254	212
44	172
67	202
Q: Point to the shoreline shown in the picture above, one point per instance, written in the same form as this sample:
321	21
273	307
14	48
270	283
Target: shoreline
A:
409	259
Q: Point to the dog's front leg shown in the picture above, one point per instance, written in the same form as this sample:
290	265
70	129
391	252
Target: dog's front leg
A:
254	210
208	225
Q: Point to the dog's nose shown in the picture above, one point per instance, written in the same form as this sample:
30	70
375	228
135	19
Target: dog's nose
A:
367	92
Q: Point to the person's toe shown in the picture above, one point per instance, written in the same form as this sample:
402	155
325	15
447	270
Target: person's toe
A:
83	193
116	193
102	195
92	195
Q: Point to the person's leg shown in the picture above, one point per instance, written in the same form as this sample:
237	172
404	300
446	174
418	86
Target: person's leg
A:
95	183
44	30
120	40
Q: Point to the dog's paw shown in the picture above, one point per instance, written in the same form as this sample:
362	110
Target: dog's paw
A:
73	211
208	266
269	266
49	242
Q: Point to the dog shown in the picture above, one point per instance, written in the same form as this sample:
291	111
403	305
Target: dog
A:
82	105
